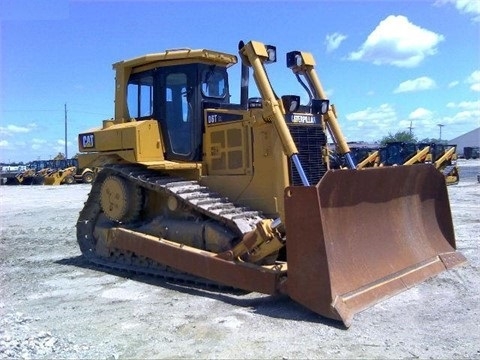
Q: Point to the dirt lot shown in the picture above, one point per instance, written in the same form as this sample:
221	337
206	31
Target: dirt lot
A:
55	305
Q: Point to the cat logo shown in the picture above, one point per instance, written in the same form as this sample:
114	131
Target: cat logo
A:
87	141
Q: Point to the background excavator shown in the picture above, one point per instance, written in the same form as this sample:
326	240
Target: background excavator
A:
194	187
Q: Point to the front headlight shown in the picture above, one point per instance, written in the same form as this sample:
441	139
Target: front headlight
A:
320	106
294	59
272	54
291	103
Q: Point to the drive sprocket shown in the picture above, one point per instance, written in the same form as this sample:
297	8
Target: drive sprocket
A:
120	200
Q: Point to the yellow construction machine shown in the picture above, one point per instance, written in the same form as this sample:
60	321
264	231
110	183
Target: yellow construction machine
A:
67	171
367	157
85	176
241	194
364	156
61	176
22	178
444	158
372	160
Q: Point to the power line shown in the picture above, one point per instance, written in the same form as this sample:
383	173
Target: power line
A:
32	110
90	113
57	111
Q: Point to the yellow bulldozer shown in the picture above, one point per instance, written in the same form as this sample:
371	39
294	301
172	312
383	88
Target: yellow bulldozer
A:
193	186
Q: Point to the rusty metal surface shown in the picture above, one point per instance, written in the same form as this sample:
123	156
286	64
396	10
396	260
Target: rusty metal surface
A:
197	262
358	237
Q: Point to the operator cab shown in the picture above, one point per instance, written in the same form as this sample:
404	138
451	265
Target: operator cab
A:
175	96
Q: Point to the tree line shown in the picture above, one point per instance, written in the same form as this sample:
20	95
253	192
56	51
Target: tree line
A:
409	137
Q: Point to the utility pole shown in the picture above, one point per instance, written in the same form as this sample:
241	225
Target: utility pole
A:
66	154
440	126
410	128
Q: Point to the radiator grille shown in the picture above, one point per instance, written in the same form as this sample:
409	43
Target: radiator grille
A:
310	140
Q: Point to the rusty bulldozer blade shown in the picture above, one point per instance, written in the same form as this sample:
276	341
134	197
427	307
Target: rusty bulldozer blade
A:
358	237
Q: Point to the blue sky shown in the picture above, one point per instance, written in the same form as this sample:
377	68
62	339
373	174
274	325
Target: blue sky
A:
386	65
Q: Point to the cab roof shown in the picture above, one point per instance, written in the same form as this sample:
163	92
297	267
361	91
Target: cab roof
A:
177	55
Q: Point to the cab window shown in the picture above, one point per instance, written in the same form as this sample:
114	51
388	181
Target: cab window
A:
140	97
214	82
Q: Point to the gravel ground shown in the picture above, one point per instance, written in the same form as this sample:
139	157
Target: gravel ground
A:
53	304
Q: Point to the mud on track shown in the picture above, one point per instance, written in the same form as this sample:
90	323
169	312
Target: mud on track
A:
53	304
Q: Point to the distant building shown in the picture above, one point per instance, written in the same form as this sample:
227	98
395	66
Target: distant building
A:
469	139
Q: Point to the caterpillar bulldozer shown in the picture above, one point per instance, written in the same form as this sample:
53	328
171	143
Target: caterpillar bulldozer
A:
193	186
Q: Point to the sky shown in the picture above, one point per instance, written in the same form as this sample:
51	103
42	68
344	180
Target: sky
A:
387	65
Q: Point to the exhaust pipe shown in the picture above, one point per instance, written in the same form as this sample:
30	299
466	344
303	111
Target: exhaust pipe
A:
244	86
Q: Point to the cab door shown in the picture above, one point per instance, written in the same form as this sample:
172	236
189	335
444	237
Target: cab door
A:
180	118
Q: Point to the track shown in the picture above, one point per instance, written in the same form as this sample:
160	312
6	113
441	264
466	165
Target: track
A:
190	193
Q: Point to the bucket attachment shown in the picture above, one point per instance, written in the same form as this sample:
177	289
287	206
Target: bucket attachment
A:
50	180
358	237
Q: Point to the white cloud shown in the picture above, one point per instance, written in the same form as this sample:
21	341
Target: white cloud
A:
372	123
38	144
465	105
465	114
3	143
474	80
17	129
422	121
421	114
384	111
334	40
396	41
471	7
11	130
453	83
464	117
468	7
418	84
